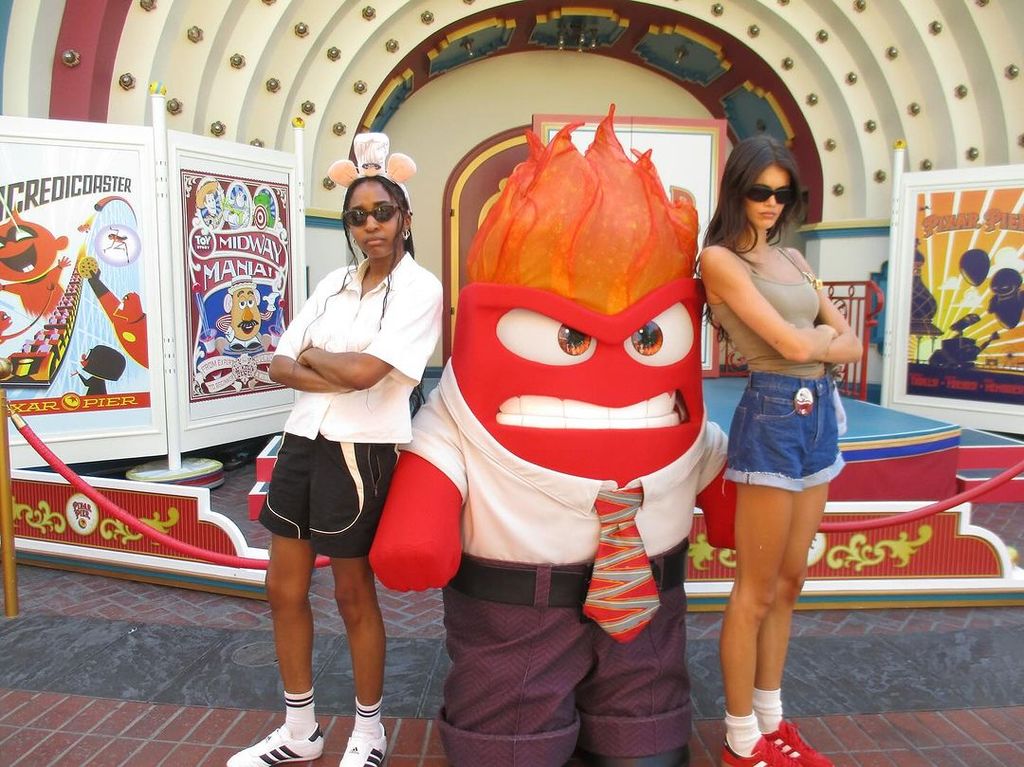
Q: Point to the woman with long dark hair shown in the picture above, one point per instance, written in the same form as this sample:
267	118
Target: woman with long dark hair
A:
783	442
354	353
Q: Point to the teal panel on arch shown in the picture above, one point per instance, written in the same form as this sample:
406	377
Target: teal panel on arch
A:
476	43
751	111
682	56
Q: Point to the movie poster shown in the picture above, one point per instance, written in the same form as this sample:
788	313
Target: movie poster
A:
966	335
237	266
74	305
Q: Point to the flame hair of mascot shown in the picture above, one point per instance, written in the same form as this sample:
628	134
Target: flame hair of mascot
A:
575	368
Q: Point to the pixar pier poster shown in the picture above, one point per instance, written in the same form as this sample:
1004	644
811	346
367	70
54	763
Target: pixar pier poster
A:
966	297
74	304
237	266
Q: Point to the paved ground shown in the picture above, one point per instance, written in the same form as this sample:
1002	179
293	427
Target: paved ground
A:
104	673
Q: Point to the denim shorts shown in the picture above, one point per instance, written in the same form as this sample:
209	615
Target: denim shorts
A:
771	444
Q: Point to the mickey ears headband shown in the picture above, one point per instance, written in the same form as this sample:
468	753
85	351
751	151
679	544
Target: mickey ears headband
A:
371	151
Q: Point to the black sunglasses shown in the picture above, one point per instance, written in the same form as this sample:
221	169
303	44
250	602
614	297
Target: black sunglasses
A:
784	195
383	211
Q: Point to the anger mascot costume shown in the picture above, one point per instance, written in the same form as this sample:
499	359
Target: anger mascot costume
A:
552	475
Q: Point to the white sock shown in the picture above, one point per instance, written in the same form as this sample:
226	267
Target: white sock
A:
299	716
742	733
768	709
368	719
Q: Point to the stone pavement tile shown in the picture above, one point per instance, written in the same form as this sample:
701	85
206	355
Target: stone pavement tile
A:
1012	727
176	726
976	727
48	748
185	754
84	749
250	727
408	738
882	733
879	759
32	709
912	729
975	756
240	671
116	753
1009	753
123	716
408	674
947	732
58	715
152	754
848	734
817	733
219	755
212	728
148	725
90	713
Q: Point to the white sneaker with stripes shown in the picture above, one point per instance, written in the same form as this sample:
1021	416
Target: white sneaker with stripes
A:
280	747
362	751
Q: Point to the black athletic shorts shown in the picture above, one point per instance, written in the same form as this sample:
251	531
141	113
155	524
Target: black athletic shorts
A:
330	493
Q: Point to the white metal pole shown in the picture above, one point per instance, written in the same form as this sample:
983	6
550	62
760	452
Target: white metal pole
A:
299	289
889	357
167	281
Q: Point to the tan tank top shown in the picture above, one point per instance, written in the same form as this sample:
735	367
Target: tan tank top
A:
797	303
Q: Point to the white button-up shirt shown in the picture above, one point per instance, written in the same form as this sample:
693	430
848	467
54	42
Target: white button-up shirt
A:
338	318
516	511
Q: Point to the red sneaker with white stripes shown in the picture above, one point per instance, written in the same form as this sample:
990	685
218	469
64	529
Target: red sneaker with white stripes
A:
787	739
766	754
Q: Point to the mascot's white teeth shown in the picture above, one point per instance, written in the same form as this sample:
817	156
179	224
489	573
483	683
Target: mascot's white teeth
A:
539	412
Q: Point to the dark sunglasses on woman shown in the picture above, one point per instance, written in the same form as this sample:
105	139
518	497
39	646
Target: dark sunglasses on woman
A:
381	212
784	195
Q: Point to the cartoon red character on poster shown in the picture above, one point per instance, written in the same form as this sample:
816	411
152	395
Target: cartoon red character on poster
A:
30	267
552	476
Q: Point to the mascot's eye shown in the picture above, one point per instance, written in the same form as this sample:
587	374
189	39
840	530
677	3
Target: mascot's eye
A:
664	340
539	338
648	339
573	342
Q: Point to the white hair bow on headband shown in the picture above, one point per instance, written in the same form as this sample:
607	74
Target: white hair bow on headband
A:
371	151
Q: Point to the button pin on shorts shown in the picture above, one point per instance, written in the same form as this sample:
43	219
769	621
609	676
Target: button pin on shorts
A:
803	401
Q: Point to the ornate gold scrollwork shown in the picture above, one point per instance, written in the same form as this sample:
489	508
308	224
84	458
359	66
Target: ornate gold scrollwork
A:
115	529
44	519
703	554
859	554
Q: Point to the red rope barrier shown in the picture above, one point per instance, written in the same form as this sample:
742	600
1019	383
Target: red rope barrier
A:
925	511
111	508
260	564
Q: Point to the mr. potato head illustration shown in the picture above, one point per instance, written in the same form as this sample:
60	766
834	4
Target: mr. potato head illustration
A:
551	480
241	325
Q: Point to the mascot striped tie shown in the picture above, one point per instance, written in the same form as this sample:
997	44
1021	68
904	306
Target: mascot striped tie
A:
622	596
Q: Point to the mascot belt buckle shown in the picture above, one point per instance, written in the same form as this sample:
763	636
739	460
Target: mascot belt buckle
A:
803	401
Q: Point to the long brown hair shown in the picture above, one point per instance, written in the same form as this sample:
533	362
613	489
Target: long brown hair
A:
729	225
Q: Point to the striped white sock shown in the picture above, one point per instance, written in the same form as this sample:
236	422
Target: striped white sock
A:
368	719
299	717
